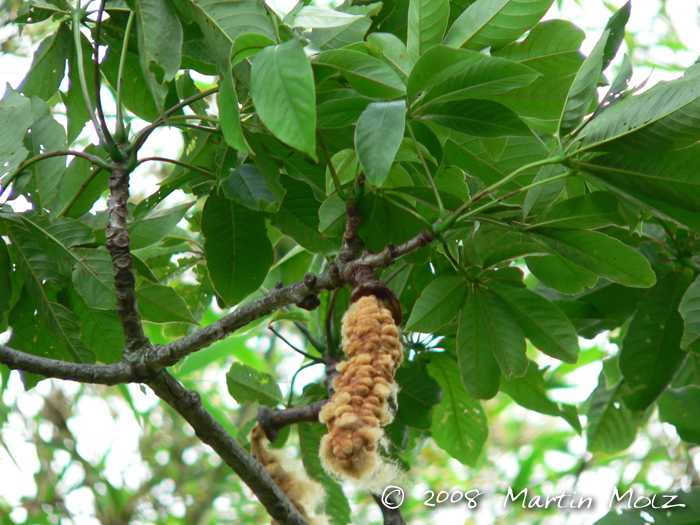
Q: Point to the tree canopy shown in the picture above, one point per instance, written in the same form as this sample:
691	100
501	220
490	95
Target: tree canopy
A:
464	161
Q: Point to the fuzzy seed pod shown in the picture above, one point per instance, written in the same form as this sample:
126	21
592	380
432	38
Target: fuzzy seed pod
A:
360	406
302	492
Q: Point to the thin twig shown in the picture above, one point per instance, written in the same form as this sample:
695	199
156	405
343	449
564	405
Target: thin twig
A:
297	350
120	75
331	169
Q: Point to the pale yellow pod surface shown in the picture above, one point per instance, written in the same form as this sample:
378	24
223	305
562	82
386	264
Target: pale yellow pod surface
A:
360	406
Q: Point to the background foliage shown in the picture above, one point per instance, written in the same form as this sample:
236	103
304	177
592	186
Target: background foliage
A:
549	226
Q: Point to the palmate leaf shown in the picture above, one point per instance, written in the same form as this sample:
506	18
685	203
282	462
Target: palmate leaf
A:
5	279
427	21
438	305
583	88
83	180
298	217
541	321
478	118
15	118
48	65
601	254
495	23
159	36
366	74
282	87
162	304
392	49
561	274
438	64
651	353
681	408
418	394
459	424
552	49
590	211
246	186
690	311
611	427
136	96
352	31
488	77
665	117
227	101
667	184
247	384
236	248
378	135
529	392
481	375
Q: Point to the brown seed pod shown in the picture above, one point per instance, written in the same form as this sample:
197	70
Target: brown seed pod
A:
360	406
301	491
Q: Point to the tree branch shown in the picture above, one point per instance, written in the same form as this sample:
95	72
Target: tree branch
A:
188	403
117	242
272	421
114	374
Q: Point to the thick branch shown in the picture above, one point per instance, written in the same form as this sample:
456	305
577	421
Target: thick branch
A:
117	242
298	293
188	403
272	421
115	374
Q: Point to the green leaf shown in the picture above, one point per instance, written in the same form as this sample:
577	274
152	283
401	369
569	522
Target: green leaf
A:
5	279
162	304
311	17
392	49
487	77
551	48
331	216
349	33
101	330
602	255
245	185
46	135
282	87
378	135
481	375
156	225
561	274
666	184
340	112
529	392
248	385
542	322
665	117
93	278
248	45
590	211
82	180
616	24
682	509
506	337
495	23
427	21
681	408
136	95
366	74
346	167
15	118
336	504
48	65
690	311
229	112
236	248
438	64
611	426
233	18
298	217
459	425
513	252
479	118
417	395
160	37
438	305
542	197
651	353
583	88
